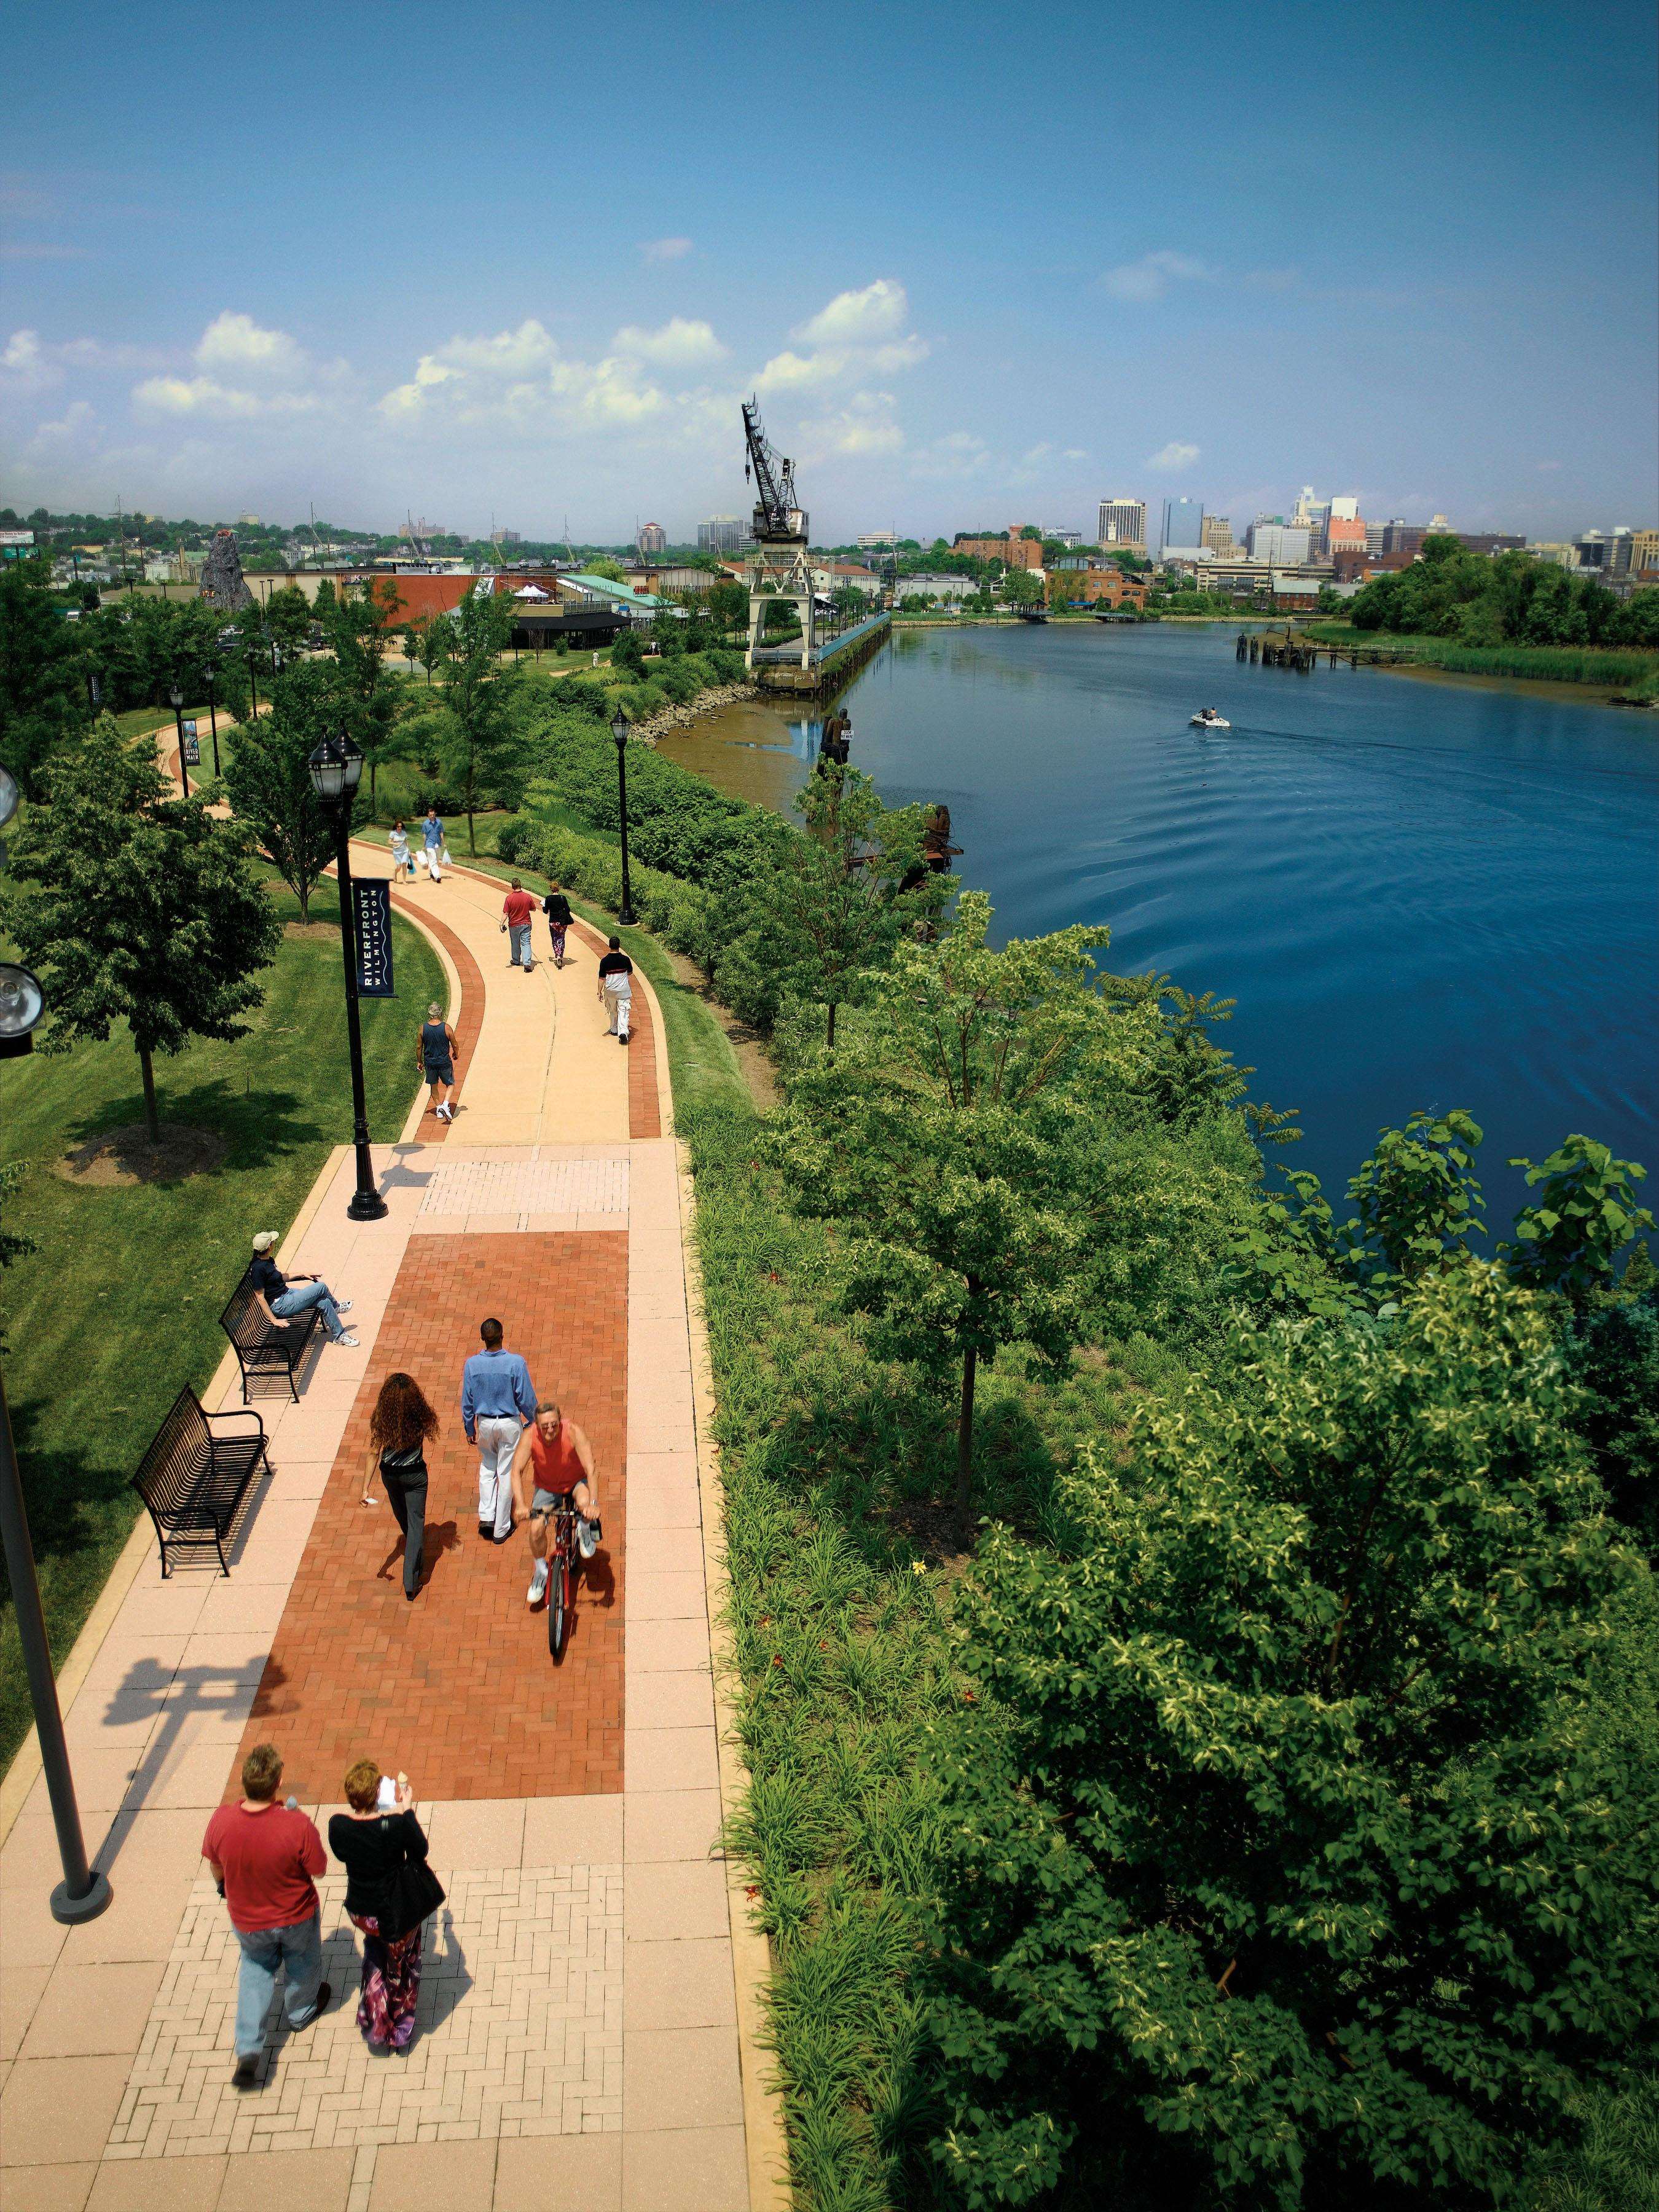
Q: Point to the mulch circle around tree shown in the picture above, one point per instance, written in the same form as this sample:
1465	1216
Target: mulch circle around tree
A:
121	1157
311	932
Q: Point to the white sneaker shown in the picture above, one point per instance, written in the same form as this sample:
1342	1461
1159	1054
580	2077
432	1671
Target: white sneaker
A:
537	1589
348	1342
343	1305
588	1537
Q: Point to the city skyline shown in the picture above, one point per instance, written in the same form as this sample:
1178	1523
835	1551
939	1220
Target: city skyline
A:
1464	324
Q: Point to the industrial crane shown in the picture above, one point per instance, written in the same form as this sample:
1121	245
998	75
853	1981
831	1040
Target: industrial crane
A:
778	518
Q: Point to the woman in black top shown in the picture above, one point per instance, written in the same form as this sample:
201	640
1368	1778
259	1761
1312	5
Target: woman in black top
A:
557	906
398	1431
371	1846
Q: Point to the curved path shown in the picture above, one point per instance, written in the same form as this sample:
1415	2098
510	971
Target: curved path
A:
579	2043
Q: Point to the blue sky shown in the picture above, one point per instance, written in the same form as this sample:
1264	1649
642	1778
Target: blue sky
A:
983	263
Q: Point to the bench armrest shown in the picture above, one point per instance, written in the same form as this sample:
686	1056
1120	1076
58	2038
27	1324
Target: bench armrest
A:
236	1413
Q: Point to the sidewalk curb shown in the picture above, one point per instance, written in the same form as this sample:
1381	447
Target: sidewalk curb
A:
766	2143
26	1762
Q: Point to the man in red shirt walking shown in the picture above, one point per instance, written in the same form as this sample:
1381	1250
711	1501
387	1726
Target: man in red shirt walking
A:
517	908
265	1857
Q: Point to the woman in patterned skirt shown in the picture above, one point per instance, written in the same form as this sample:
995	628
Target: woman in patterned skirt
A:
372	1841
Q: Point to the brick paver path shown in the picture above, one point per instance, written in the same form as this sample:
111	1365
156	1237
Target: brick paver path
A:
458	1689
467	1026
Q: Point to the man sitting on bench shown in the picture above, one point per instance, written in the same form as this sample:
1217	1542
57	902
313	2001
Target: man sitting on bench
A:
281	1296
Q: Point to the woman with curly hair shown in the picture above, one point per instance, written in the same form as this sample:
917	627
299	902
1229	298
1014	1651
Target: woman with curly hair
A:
372	1841
398	1431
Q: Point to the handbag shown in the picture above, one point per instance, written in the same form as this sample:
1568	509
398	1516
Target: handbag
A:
411	1892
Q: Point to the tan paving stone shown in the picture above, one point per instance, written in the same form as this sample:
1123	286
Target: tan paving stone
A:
92	2010
571	2173
305	2181
670	1824
666	1597
668	1646
60	2188
181	2184
682	1984
671	1759
698	2169
664	1900
479	1832
59	2111
22	1989
436	2177
573	1831
659	1700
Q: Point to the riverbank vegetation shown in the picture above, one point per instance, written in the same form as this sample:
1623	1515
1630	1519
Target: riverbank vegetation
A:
1216	1784
1633	673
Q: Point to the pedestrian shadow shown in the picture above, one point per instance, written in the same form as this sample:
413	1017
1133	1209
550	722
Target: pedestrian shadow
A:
441	1537
445	1977
150	1691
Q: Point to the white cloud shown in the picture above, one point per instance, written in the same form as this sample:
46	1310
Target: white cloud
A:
678	344
1151	276
959	454
666	249
859	317
205	396
866	425
235	344
1175	455
22	355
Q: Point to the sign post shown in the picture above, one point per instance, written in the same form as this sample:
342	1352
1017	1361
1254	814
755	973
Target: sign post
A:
370	900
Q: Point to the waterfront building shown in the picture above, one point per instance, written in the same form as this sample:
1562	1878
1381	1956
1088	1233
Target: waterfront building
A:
1490	541
1281	544
873	541
721	533
1123	522
653	539
1014	550
844	575
1216	534
1105	587
1183	524
953	589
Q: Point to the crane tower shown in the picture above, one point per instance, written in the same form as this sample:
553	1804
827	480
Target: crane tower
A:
782	572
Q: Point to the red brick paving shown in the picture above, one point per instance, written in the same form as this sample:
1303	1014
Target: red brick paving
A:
432	1131
458	1689
644	1117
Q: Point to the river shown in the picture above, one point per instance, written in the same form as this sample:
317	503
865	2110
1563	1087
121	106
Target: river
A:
1421	894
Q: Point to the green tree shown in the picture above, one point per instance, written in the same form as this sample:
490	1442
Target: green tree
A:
958	1135
833	908
728	604
1303	1854
268	777
43	692
603	565
479	731
133	906
289	618
1586	1216
1020	588
358	627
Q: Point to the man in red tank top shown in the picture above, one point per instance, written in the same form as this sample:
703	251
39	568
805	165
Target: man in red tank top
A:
553	1461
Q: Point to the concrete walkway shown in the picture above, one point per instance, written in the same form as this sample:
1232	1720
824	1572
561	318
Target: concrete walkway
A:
578	2041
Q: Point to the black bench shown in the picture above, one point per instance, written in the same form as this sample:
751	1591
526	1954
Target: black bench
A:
262	1346
193	1479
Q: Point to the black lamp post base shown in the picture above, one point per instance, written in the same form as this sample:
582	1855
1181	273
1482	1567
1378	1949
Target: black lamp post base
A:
366	1205
72	1911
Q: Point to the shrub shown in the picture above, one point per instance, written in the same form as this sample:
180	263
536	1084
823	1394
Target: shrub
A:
1306	1836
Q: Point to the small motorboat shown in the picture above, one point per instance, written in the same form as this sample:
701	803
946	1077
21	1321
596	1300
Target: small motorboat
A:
1207	718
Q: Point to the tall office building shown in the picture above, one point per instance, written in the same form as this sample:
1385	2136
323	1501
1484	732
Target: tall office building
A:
1284	544
721	533
1123	522
1184	525
1216	533
652	538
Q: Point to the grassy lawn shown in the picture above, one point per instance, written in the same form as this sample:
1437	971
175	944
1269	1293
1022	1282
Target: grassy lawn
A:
120	1305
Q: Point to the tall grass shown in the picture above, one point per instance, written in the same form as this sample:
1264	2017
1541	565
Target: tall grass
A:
1615	668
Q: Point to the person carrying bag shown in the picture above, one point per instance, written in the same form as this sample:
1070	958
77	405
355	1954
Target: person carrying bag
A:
390	1892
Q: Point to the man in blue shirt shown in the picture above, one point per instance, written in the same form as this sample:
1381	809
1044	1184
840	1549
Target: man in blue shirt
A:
497	1399
432	842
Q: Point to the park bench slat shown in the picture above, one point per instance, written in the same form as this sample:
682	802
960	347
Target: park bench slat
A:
264	1348
194	1474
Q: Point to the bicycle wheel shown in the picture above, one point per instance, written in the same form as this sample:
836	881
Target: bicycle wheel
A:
558	1604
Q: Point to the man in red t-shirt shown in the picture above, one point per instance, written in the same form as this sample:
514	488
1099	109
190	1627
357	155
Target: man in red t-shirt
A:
264	1857
517	908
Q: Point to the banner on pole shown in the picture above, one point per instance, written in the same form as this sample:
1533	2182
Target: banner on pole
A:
372	901
192	746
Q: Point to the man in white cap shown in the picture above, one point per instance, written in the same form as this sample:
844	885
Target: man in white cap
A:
281	1296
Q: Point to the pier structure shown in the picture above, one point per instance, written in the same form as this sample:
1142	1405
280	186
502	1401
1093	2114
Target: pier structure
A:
828	663
781	573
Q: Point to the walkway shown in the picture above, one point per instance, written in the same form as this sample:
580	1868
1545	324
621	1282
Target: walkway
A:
579	2043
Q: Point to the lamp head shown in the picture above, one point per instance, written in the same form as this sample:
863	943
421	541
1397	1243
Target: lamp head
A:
337	769
176	696
619	726
22	1002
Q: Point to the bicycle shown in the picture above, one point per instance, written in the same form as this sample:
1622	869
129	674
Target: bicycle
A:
564	1566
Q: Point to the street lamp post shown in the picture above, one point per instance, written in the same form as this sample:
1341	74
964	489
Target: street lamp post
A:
83	1893
619	731
337	768
213	713
177	698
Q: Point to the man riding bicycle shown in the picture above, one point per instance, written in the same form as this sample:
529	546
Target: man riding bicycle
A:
559	1457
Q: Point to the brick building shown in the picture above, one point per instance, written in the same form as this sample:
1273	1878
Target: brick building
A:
1014	550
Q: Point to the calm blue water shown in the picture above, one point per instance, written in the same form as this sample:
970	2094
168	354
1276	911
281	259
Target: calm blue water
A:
1420	894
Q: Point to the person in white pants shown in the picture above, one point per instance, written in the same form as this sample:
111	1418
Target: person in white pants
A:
497	1399
617	988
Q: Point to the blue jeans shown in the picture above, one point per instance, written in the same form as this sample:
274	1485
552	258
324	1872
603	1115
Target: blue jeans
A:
300	1948
301	1297
517	936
